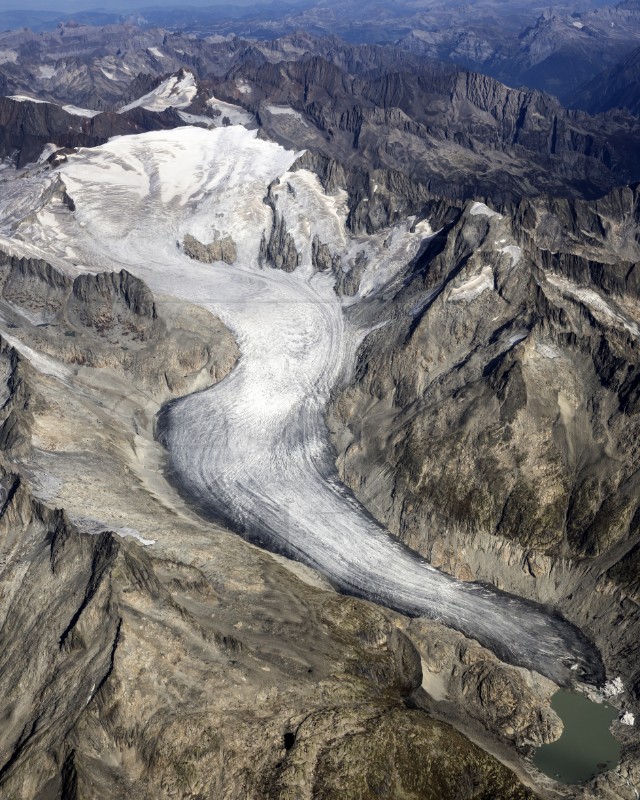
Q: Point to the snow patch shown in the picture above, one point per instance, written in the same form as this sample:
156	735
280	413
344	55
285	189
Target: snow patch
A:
196	119
289	112
175	92
46	71
80	112
8	56
133	534
485	211
155	52
95	527
236	114
44	364
601	309
23	98
513	251
75	110
434	683
49	150
516	338
474	287
547	350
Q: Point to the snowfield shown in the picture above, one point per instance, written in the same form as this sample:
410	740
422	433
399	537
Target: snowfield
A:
253	450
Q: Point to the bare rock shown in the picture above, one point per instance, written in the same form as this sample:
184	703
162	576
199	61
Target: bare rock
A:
222	248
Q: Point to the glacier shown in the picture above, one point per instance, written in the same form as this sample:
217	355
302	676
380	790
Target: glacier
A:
253	451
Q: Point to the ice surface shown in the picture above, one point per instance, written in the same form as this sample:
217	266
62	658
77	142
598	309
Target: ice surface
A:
613	687
254	449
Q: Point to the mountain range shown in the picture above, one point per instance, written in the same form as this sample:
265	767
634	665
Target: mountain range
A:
320	372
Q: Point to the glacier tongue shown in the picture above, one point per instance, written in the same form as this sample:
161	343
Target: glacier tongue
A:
254	448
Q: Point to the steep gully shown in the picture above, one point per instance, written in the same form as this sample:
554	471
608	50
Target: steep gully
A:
253	450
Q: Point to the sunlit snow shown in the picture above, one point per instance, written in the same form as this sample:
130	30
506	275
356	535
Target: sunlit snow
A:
175	92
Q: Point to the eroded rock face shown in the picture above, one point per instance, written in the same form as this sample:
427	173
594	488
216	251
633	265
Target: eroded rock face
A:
492	424
27	127
512	704
385	753
279	249
429	123
112	320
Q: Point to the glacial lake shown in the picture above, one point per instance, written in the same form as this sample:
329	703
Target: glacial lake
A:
586	746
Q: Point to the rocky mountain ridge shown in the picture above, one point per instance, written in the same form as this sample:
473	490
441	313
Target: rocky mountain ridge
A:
369	105
616	87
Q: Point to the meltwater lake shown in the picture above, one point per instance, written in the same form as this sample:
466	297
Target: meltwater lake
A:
586	746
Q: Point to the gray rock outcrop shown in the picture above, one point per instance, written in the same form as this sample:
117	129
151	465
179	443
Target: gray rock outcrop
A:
222	248
279	250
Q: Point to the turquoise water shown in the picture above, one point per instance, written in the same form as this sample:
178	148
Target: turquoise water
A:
586	746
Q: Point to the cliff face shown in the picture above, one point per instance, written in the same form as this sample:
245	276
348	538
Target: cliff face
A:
616	87
492	424
459	134
278	249
112	320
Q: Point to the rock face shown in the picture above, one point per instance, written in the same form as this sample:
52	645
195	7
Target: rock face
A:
220	249
616	87
372	107
279	250
492	424
431	123
112	320
385	754
511	703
